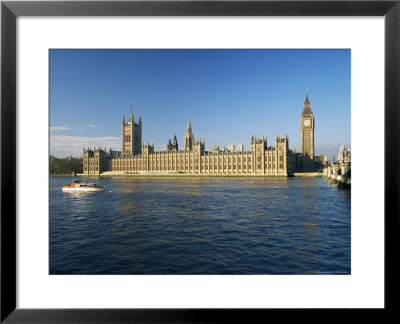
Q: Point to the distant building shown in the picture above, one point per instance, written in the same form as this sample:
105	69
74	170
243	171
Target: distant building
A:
341	170
344	155
262	159
237	148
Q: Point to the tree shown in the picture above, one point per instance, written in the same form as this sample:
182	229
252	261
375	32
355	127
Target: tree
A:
65	166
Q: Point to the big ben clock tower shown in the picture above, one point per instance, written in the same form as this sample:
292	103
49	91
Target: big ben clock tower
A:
307	129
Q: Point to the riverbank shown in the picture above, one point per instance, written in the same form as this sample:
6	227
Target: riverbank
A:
341	183
209	175
308	174
163	175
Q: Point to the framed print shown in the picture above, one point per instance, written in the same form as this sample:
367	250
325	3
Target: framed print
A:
175	230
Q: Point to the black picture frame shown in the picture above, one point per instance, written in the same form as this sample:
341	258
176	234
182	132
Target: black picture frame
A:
10	10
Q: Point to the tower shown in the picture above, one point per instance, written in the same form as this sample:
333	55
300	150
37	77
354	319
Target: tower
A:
172	146
258	147
307	130
131	136
189	138
175	144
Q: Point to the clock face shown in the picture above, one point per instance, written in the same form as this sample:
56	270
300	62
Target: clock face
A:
307	122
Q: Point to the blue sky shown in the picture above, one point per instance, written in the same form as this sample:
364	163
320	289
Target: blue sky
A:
229	95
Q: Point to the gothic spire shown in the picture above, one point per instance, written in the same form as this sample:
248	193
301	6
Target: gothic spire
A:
131	117
189	127
307	101
307	104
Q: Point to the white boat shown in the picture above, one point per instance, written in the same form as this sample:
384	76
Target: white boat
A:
79	185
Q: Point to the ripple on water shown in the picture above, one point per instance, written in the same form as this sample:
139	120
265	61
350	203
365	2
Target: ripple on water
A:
201	226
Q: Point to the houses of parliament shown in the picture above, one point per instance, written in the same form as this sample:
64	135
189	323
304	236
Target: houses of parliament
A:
136	157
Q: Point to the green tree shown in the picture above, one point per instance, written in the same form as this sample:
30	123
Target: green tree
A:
65	165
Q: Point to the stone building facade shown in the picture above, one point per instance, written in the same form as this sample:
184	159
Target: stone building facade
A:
262	159
95	161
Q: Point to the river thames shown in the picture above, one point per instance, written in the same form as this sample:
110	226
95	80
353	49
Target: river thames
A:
200	225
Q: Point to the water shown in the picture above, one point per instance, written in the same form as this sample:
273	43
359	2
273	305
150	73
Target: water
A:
182	225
